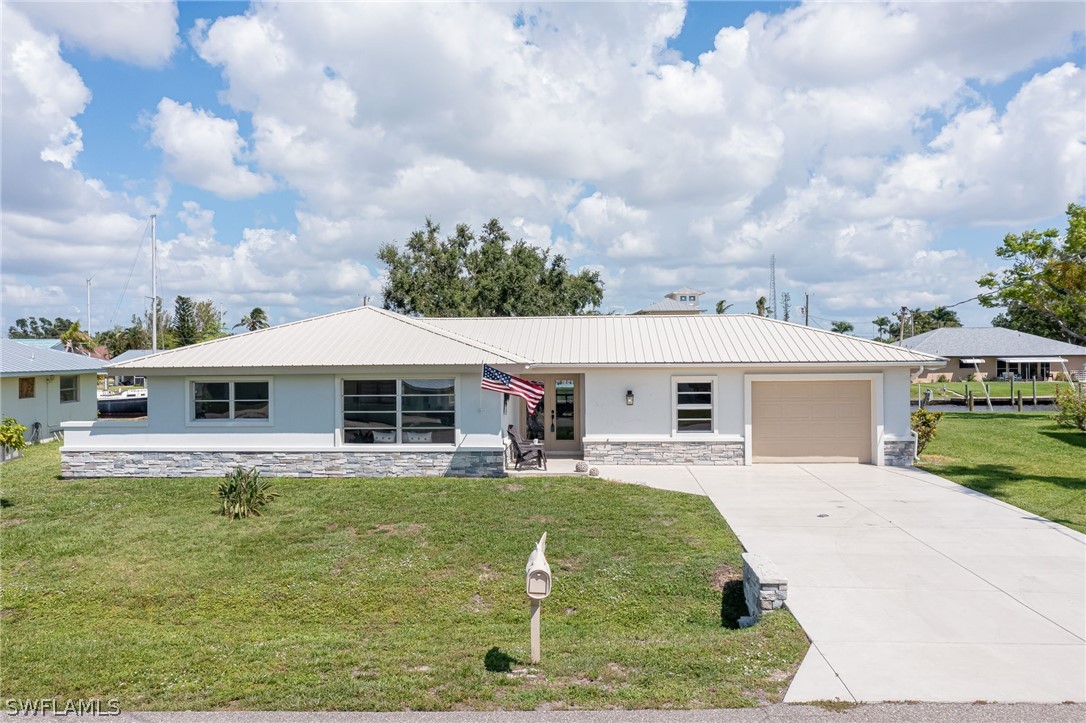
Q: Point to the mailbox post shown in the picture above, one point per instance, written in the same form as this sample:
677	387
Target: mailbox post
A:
537	575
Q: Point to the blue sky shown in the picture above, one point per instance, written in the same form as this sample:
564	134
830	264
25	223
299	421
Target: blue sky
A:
880	152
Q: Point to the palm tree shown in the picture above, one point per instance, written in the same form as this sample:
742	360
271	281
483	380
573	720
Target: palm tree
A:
255	319
722	306
76	340
841	327
882	327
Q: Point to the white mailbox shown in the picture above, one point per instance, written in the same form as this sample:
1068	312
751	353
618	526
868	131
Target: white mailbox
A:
537	572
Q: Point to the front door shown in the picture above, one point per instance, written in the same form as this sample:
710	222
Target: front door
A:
557	418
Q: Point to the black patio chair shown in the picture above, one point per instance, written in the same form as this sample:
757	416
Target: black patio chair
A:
525	451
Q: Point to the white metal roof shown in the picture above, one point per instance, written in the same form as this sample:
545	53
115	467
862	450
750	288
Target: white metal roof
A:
17	359
366	336
373	337
675	340
671	306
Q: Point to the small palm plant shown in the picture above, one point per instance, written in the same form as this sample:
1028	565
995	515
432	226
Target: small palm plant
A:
243	492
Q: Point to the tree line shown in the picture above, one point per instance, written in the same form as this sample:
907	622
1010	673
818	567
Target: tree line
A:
190	322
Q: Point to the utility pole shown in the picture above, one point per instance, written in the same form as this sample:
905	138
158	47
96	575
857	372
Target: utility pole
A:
154	286
806	309
773	282
88	305
901	323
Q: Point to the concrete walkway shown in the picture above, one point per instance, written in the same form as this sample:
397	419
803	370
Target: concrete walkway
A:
910	587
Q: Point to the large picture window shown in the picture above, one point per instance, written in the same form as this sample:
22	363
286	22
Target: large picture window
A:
69	389
693	406
231	400
399	411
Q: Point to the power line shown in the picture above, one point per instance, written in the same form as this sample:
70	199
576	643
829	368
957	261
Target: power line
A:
131	272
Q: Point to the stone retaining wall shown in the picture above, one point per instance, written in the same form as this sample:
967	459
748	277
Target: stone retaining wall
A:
694	453
105	463
764	587
898	453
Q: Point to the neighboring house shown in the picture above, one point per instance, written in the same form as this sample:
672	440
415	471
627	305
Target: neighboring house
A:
43	388
993	352
56	344
369	392
129	379
684	301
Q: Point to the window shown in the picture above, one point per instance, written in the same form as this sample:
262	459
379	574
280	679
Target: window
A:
693	405
26	387
406	411
231	400
69	389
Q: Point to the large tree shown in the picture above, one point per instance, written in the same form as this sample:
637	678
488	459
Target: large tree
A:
185	327
39	328
1047	275
488	275
209	320
1020	317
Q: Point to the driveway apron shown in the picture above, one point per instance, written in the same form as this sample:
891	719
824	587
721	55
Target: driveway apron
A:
910	586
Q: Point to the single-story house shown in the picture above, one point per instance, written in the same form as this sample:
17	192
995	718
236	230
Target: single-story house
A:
993	352
367	392
42	388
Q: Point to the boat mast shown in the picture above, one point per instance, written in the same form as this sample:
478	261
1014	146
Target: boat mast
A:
154	287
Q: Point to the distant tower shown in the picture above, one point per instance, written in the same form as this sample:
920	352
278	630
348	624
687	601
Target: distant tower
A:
773	282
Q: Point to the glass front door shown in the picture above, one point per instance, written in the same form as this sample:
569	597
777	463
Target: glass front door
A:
557	418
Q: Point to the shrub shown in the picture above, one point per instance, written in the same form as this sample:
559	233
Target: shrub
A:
243	493
943	379
972	377
924	423
1072	407
11	434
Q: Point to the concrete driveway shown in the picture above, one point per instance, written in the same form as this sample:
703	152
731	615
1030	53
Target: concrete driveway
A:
910	587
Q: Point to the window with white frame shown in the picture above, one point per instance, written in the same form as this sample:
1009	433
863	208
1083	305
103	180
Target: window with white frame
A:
693	405
399	411
226	400
69	389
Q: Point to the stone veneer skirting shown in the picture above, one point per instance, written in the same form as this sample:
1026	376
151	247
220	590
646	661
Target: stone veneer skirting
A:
898	453
664	452
107	463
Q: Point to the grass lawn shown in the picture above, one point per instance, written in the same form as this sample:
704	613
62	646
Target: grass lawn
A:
374	595
995	389
1023	459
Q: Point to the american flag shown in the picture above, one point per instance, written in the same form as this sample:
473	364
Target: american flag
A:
498	381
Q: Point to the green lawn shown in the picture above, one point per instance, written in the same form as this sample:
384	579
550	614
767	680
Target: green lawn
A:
995	389
374	595
1023	459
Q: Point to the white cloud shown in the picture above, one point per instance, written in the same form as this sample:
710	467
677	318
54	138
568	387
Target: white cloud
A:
204	150
845	138
143	33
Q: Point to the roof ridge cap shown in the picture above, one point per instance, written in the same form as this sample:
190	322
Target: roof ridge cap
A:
420	322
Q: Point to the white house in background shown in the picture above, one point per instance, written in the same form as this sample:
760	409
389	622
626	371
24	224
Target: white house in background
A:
367	392
991	352
683	301
43	388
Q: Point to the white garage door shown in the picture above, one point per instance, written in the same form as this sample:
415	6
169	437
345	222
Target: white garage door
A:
811	421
